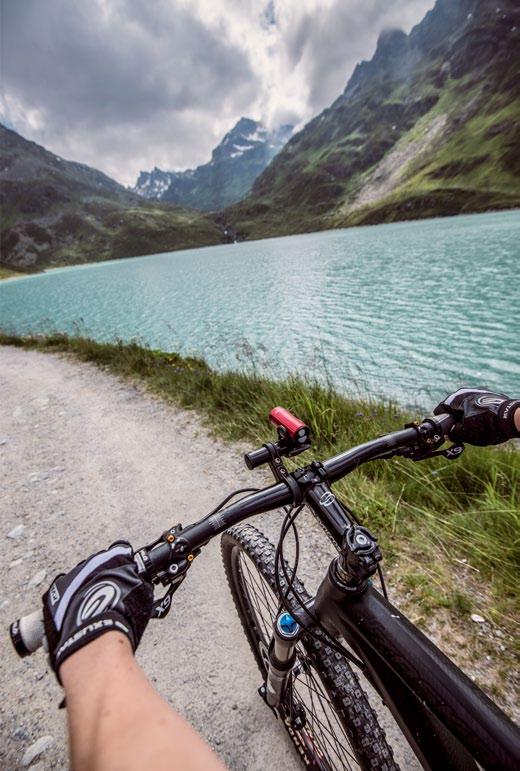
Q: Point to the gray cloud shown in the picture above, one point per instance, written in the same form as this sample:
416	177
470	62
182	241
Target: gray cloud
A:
331	43
115	75
128	84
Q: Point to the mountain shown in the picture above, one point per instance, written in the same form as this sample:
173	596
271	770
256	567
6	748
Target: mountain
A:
429	126
57	212
235	163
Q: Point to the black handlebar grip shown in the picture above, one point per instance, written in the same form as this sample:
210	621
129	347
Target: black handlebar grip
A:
444	422
256	458
27	633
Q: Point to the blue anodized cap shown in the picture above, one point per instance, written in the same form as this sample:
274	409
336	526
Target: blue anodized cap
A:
287	625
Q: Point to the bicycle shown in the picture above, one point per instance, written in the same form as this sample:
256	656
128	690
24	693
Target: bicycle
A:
299	642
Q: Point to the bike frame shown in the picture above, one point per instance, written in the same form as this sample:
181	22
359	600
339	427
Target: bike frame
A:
446	718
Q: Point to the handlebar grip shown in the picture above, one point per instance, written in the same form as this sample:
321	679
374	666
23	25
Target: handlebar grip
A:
445	422
256	458
27	633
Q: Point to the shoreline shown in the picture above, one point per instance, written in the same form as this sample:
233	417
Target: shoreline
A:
14	274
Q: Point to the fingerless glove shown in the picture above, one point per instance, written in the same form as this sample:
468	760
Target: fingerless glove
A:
103	593
483	417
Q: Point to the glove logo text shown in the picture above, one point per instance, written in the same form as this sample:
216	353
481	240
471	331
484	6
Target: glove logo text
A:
489	401
54	594
99	598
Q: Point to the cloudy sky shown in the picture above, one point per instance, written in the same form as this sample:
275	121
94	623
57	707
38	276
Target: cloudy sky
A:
125	85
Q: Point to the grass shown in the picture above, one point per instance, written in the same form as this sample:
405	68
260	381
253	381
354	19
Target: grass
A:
453	526
97	230
8	273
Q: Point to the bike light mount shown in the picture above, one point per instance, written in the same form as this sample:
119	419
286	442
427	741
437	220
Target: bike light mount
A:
294	437
291	428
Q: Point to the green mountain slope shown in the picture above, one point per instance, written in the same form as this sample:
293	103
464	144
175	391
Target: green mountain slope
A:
56	212
429	126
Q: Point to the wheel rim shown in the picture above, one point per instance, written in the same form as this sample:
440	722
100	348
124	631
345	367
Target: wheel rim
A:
323	739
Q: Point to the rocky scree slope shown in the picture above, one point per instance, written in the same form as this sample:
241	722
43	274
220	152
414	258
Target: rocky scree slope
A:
429	126
236	162
56	212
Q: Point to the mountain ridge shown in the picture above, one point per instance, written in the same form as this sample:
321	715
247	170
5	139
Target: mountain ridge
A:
429	126
238	159
58	212
458	69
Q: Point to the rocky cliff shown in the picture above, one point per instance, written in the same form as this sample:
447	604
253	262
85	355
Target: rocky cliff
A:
429	126
235	163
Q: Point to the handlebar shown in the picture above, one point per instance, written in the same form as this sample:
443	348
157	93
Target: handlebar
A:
27	634
432	431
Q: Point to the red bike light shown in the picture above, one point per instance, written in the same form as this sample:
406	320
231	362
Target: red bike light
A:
296	428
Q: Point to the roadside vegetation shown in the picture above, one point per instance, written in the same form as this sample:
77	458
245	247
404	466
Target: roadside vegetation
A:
7	273
449	530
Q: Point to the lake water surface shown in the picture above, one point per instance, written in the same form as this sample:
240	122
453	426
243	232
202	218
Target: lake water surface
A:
406	310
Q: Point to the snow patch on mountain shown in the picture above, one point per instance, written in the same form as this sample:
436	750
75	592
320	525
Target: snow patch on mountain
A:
241	156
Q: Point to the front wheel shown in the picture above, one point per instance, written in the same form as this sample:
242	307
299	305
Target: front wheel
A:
336	726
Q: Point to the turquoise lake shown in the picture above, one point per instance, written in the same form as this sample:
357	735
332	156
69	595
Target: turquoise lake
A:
407	310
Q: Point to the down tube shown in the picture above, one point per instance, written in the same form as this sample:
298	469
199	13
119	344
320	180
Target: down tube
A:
411	672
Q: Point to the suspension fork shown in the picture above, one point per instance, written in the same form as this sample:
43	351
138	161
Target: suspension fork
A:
356	562
281	657
288	629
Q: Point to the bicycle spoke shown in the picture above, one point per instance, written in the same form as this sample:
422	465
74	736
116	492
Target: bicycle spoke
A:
335	748
326	735
320	741
325	708
256	599
321	697
261	587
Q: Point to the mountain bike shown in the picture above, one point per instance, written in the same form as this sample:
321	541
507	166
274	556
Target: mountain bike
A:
309	649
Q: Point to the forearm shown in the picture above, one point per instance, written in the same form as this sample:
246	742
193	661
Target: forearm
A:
517	420
118	721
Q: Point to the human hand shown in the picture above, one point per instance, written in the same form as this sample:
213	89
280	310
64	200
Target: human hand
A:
483	417
101	594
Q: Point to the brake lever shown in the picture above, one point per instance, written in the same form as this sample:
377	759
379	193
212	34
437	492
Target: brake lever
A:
161	606
451	453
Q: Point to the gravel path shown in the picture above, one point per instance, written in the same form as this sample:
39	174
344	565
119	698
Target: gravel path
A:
85	459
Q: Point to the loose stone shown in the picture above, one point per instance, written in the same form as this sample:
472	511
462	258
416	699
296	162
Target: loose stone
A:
37	579
20	733
16	532
35	750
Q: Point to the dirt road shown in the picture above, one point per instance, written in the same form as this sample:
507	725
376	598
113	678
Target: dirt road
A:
85	459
